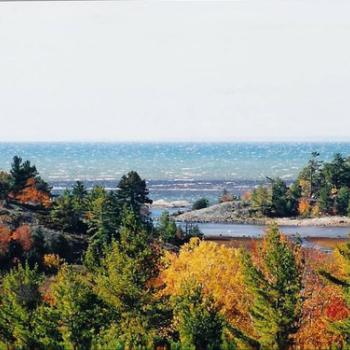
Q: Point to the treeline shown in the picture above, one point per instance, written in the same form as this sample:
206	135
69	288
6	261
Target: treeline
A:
75	225
129	287
208	296
321	188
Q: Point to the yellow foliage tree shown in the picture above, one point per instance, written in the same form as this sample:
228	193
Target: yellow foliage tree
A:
304	207
218	270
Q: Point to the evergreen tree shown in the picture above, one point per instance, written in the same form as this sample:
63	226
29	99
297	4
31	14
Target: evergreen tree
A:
5	185
167	227
79	194
65	215
81	313
261	200
122	279
325	201
279	198
314	167
293	198
337	172
275	284
19	300
133	193
21	172
197	319
343	200
103	225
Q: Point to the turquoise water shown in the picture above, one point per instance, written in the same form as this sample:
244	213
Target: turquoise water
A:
173	170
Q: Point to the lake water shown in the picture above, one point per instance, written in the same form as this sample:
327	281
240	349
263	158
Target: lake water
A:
237	230
174	171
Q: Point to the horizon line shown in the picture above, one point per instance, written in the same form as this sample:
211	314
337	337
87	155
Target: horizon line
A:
182	141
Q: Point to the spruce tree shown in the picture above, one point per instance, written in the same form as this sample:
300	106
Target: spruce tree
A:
197	320
275	283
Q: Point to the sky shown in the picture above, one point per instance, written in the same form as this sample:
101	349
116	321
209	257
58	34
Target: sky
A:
175	71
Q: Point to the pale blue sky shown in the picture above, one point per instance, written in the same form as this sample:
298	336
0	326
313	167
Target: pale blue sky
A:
155	71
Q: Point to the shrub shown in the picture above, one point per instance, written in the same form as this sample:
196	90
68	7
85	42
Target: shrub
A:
200	204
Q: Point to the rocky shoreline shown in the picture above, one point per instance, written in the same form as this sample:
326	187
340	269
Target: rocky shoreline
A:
238	213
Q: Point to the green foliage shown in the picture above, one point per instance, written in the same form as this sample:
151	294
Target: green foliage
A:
197	319
121	281
337	172
69	210
133	193
325	201
279	198
190	231
79	194
81	313
167	228
276	286
324	185
261	200
19	300
5	185
103	223
200	204
21	172
293	198
343	200
65	215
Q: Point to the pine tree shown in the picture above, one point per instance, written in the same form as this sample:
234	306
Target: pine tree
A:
64	214
197	320
275	283
5	185
167	227
103	225
19	300
81	313
122	279
261	200
79	194
343	200
21	172
279	198
133	193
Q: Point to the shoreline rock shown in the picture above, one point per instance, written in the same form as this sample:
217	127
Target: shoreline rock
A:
237	212
161	203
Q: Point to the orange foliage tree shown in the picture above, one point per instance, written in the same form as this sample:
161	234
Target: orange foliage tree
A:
5	238
323	302
304	207
31	194
23	236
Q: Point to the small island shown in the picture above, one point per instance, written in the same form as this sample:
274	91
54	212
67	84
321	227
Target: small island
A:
320	196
